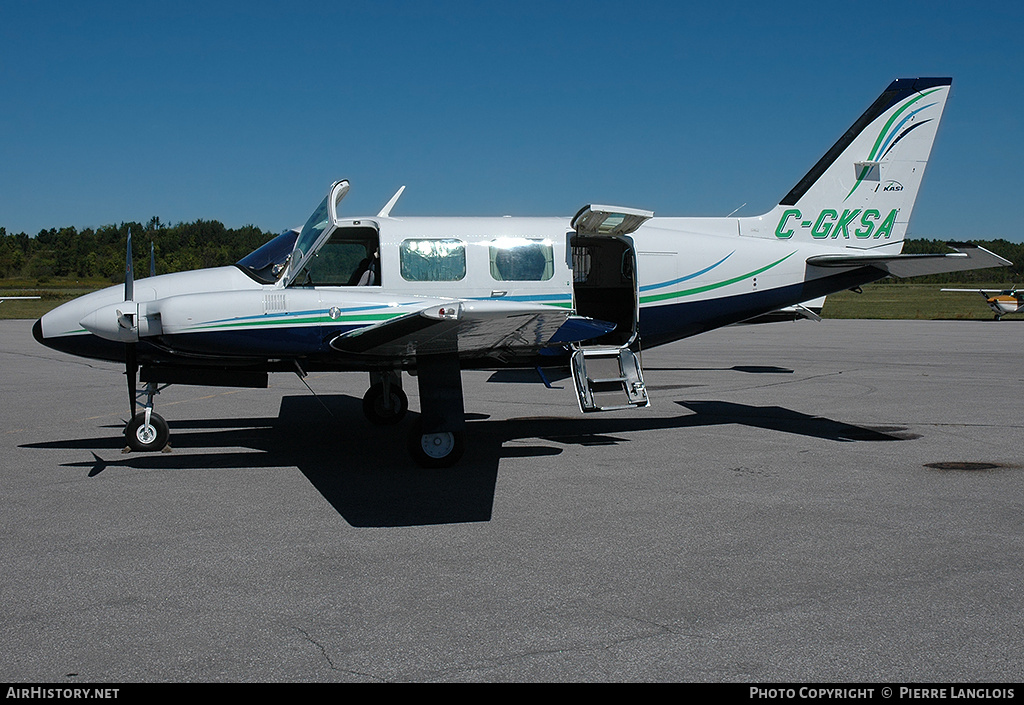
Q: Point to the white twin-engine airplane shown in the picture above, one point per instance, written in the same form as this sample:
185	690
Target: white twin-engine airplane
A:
434	296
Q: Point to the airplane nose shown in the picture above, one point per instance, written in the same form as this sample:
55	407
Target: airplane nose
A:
37	332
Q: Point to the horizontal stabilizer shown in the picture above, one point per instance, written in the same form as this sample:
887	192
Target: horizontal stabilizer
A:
964	257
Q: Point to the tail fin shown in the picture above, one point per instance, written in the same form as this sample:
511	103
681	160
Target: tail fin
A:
862	192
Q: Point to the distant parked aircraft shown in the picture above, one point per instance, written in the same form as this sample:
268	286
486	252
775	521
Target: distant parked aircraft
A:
1002	301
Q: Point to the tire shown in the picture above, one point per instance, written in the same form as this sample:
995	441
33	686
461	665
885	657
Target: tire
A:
142	439
436	450
374	410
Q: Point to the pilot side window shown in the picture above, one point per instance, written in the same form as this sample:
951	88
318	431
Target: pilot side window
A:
433	260
520	259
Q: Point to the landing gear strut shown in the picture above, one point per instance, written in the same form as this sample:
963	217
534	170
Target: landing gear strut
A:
147	431
438	439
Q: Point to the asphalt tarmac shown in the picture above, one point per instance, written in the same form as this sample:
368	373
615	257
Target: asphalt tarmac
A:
803	502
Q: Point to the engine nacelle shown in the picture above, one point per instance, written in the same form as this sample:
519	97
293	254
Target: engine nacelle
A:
123	322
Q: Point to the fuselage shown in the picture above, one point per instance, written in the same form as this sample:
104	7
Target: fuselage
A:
691	275
1005	303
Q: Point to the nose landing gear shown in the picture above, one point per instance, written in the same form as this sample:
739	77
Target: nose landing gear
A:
147	431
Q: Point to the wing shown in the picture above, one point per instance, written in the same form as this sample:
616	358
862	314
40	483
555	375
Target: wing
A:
985	293
965	257
468	328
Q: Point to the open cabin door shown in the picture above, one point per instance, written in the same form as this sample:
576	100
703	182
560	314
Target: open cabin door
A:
606	373
332	252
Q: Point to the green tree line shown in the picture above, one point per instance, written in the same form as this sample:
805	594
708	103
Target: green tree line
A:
69	253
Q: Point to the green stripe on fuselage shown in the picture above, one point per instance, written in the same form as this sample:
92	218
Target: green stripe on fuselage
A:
314	319
710	287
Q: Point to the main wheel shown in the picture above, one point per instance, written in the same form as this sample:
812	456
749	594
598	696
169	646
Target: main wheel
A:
377	412
142	437
436	450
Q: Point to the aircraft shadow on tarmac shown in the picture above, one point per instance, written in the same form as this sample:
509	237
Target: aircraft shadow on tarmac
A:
364	472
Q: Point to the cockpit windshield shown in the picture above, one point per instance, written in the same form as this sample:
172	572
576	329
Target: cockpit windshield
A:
267	263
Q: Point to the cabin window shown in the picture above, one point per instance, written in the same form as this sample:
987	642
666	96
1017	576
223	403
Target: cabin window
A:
519	259
433	260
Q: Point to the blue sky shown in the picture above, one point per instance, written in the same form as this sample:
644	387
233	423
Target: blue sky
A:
246	112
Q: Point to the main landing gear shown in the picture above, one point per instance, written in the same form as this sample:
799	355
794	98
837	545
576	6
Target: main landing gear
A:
384	403
437	438
440	449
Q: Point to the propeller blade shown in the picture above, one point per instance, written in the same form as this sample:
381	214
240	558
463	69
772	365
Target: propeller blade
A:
131	371
129	274
131	363
152	260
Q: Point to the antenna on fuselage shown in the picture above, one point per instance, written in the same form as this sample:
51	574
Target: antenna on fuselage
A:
385	212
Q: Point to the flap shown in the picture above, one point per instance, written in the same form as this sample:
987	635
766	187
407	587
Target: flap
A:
458	326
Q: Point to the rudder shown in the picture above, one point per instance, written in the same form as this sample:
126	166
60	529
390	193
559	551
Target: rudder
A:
862	192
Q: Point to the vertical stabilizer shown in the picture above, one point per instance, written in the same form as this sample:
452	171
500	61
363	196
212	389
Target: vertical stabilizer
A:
861	193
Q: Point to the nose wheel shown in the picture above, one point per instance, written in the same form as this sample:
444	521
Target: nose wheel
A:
147	432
